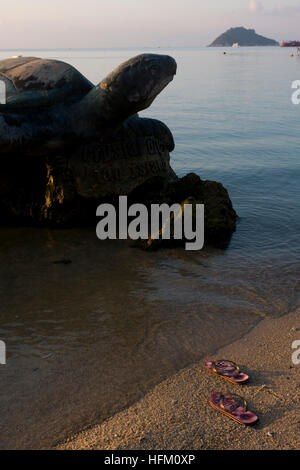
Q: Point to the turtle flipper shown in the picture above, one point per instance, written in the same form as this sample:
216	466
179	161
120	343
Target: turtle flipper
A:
136	127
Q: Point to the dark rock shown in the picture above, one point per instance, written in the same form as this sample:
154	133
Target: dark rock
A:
63	261
220	217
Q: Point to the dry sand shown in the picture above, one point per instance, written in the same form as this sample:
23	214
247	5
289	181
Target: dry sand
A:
176	414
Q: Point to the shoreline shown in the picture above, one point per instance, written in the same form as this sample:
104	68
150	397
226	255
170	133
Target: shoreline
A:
176	415
175	311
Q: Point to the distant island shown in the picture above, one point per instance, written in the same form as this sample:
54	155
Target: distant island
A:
242	36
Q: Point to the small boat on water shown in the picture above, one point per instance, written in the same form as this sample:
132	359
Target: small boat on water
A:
290	44
236	44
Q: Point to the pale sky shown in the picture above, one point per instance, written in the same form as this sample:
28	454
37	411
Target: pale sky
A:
139	23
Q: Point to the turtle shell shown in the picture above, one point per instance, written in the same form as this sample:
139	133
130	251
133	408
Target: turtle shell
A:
33	82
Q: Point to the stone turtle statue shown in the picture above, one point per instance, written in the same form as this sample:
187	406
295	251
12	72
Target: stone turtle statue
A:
67	145
62	139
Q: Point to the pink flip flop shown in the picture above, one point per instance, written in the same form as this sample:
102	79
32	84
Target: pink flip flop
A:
234	407
228	370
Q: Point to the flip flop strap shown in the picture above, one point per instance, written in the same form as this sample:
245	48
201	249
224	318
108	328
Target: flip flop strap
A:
237	368
235	403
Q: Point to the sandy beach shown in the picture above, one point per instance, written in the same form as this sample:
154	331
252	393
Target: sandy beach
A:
176	415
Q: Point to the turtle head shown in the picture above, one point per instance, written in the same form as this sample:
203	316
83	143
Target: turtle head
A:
137	82
130	88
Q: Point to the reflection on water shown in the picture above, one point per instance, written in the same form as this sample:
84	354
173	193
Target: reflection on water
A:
86	339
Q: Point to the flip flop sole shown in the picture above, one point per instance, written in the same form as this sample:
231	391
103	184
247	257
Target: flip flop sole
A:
234	418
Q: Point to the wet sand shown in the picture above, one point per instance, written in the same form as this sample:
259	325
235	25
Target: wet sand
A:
176	413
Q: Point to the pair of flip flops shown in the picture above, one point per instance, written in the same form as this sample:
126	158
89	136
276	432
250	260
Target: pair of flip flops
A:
233	406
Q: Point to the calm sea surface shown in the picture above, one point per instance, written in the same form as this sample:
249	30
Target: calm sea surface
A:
86	339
